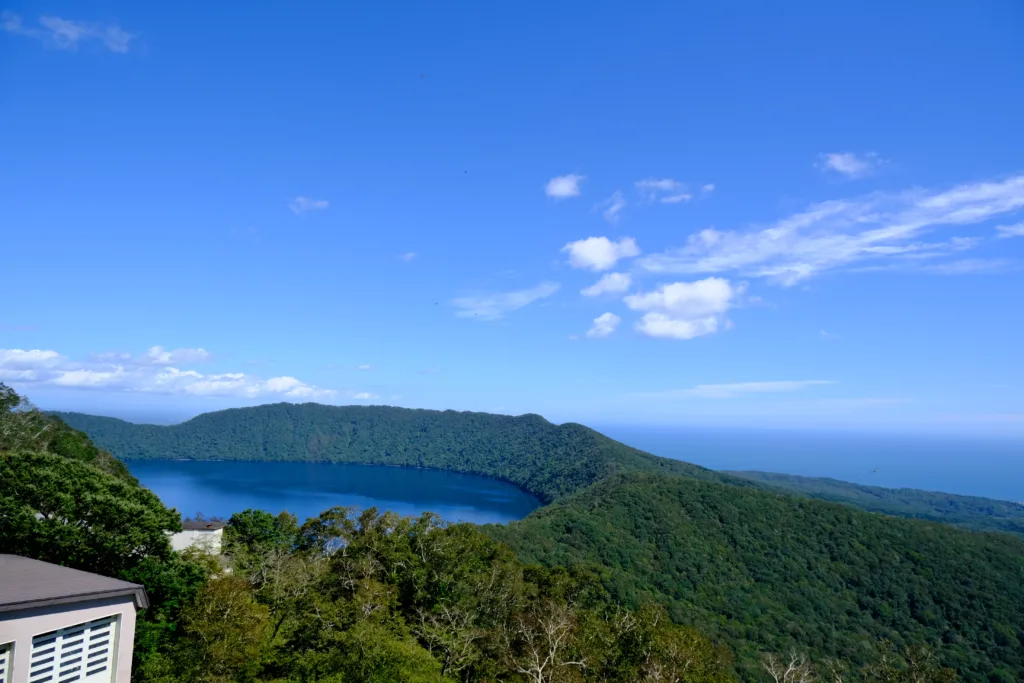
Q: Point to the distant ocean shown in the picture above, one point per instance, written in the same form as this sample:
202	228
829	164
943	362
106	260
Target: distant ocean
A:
989	467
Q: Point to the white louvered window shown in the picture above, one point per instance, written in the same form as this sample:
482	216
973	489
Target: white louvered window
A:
79	654
5	663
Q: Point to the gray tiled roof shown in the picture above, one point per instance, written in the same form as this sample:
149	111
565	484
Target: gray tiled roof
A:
27	583
205	525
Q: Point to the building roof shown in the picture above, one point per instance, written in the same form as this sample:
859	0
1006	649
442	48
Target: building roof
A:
26	583
204	525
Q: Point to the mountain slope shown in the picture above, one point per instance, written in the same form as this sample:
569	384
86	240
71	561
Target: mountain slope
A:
545	459
968	512
765	571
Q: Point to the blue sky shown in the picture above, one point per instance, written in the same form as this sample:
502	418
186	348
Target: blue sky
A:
718	214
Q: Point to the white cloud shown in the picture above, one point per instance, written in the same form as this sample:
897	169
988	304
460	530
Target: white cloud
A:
364	396
600	253
494	305
735	390
564	186
612	283
364	367
1007	231
664	190
849	164
612	207
971	266
684	310
407	256
604	325
707	188
301	205
148	373
66	34
834	234
157	355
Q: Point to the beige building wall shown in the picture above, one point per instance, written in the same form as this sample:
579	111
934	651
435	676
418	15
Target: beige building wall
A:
19	628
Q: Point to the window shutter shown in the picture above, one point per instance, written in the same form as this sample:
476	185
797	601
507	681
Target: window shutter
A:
5	663
77	654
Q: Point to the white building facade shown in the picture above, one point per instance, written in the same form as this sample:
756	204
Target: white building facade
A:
66	625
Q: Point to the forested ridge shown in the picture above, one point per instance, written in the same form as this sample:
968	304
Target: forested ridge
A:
767	571
630	545
545	459
968	512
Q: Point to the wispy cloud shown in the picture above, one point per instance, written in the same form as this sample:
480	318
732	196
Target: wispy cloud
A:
66	34
664	190
612	207
707	188
1007	231
877	228
494	305
972	266
407	256
612	283
685	310
365	396
600	253
734	390
301	205
849	164
147	373
604	325
364	367
564	186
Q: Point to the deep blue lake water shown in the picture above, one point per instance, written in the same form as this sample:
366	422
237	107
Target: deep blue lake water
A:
307	489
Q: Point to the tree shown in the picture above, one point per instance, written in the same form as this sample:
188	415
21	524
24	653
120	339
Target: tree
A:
224	632
70	512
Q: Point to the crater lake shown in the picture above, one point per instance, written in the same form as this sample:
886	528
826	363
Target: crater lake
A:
221	488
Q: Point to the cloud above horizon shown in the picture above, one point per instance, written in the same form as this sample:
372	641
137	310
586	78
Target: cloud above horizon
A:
685	310
600	253
301	205
604	325
611	283
663	190
150	372
612	207
494	305
876	228
67	34
735	390
1008	231
564	186
849	164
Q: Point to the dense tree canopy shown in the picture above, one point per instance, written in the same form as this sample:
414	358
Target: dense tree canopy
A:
968	512
768	572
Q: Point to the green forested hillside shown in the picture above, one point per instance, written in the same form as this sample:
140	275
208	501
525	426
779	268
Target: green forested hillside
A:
545	459
766	571
968	512
759	569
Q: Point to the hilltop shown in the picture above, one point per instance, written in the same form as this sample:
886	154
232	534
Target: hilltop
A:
545	459
967	512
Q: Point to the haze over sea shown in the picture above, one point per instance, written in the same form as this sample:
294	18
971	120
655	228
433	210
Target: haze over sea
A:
992	467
